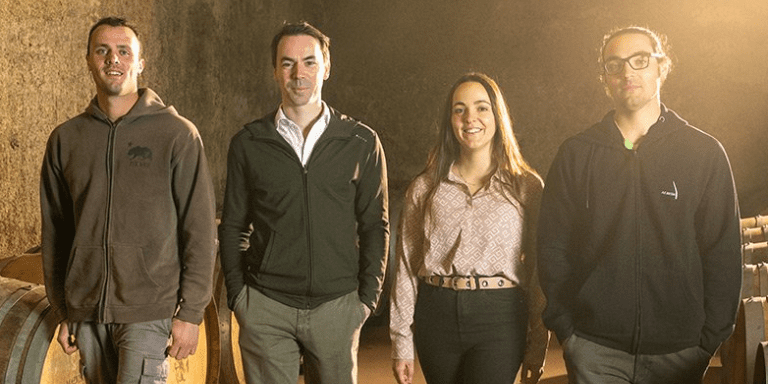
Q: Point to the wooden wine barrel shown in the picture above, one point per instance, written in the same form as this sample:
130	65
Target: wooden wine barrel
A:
25	267
54	366
753	253
27	326
231	367
754	280
761	361
754	234
756	221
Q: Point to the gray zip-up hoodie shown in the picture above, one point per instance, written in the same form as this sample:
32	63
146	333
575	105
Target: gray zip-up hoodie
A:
128	216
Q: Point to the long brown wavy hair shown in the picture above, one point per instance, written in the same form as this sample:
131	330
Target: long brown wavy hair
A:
505	151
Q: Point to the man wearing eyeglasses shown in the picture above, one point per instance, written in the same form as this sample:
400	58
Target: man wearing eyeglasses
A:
639	233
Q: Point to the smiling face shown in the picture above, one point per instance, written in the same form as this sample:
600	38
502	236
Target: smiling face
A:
474	124
300	70
114	60
633	89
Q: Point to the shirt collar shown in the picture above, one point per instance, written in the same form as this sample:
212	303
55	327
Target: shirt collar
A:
282	119
495	177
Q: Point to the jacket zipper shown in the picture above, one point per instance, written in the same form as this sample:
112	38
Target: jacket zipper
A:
307	204
108	215
291	152
638	265
308	228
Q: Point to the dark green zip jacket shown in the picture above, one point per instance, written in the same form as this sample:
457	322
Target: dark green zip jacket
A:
128	216
639	250
305	235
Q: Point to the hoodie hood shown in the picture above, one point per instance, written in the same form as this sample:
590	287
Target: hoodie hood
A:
149	103
607	134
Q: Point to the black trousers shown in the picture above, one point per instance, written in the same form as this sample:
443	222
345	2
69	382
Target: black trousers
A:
467	337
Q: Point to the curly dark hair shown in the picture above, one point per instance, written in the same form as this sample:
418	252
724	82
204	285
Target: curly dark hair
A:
658	41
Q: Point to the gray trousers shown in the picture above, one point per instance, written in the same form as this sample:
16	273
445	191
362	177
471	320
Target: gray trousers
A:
589	362
123	353
273	336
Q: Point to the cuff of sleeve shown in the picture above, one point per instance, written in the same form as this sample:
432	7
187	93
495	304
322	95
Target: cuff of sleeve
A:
402	350
709	345
190	316
370	303
232	291
60	314
562	326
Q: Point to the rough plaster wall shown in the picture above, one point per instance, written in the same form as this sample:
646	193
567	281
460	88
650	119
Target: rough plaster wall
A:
216	65
44	82
207	58
392	64
395	61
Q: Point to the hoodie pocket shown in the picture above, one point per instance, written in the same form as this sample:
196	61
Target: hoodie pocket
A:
134	283
265	258
85	275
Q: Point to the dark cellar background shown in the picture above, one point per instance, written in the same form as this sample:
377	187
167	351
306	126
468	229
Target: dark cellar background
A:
392	65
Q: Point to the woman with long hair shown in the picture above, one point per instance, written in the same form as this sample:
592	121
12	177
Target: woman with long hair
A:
466	297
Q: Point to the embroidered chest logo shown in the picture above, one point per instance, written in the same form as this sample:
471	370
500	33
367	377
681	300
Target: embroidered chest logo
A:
673	192
140	156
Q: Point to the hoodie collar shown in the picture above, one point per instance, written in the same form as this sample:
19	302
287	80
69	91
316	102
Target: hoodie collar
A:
148	103
607	133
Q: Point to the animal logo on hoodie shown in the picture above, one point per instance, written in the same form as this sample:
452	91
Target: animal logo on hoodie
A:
140	156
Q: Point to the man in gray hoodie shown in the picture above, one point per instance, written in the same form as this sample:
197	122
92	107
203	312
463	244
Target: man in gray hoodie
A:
128	217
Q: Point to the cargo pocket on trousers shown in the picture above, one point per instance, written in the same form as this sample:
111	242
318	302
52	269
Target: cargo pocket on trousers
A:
155	371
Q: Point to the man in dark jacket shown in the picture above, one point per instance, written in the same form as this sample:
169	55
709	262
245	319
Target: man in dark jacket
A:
304	230
128	220
639	233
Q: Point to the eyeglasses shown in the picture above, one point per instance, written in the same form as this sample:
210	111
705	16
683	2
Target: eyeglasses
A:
637	61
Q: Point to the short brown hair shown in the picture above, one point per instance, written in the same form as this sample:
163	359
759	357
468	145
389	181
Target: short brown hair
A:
301	28
112	21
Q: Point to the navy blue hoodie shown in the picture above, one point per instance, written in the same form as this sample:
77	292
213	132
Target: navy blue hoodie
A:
639	250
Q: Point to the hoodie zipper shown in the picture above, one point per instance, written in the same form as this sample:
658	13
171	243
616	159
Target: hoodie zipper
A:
110	163
308	230
638	265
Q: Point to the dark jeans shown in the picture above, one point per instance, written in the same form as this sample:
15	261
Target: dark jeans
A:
588	362
470	336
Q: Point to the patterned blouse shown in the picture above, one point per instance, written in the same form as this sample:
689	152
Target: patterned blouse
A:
485	234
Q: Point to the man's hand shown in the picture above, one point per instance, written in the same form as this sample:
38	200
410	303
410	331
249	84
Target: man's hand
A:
183	339
403	370
66	340
530	374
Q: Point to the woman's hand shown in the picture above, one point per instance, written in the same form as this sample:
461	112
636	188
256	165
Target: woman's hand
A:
403	370
530	374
